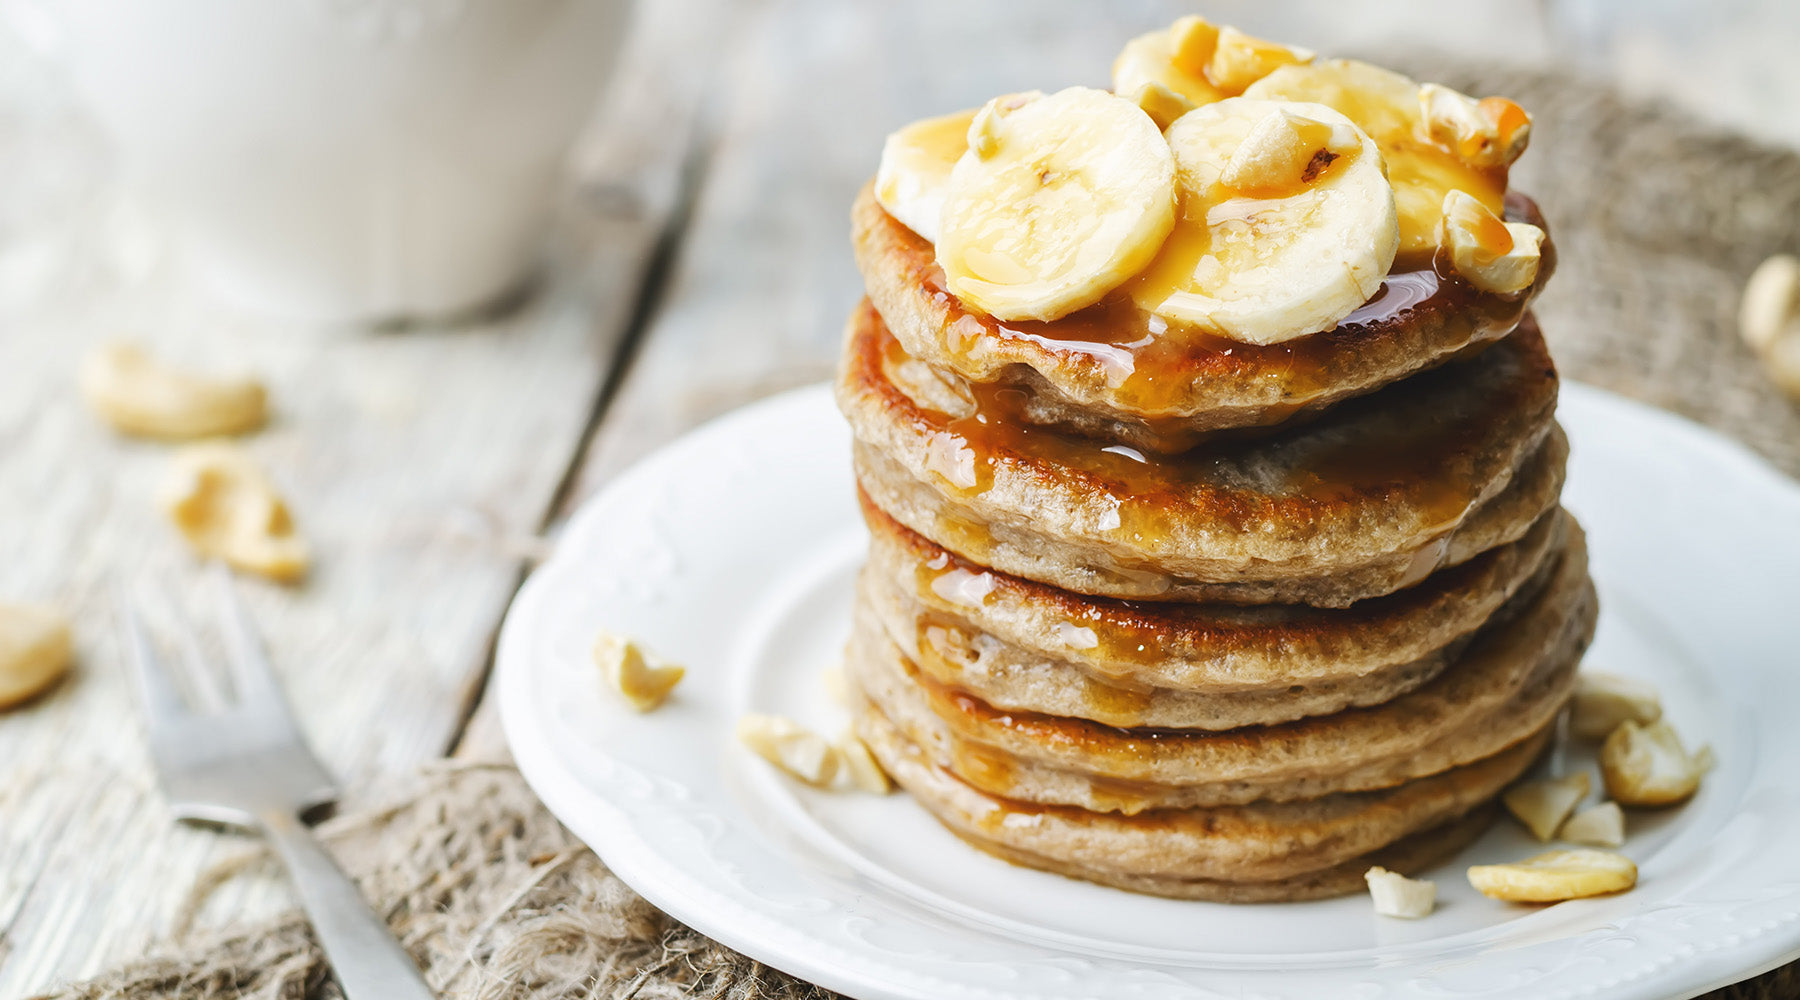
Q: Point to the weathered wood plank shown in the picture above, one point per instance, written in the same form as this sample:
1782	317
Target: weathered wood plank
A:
420	463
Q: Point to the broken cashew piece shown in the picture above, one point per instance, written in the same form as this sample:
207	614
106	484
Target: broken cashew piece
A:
643	681
139	395
1770	309
1601	825
35	650
1490	132
1542	805
860	770
1395	895
227	509
1649	766
1602	701
1495	256
1769	319
791	747
1555	876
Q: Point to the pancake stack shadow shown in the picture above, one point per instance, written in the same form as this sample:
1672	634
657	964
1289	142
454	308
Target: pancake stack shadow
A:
1317	622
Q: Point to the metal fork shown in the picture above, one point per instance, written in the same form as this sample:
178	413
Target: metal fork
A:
247	765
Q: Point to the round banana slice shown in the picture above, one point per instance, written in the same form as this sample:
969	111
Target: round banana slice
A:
915	169
1388	107
1554	876
1287	222
1198	62
1172	60
1058	201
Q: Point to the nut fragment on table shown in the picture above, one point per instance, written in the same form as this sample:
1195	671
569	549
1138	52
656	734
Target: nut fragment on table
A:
1649	766
1603	700
860	770
1495	256
1554	876
791	747
1542	805
1601	825
140	395
227	509
1395	895
1769	319
35	650
645	682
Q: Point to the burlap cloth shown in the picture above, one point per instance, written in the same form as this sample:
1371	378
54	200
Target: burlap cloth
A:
1658	219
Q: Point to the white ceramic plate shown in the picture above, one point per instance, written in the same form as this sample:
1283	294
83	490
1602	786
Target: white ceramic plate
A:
733	550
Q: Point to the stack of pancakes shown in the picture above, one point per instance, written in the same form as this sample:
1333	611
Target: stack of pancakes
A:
1221	621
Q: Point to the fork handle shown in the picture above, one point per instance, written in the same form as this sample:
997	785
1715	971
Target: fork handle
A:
364	955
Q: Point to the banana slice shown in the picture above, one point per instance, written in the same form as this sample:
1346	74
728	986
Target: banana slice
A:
1198	61
1240	60
1388	107
1173	59
915	169
1554	876
1287	222
1058	201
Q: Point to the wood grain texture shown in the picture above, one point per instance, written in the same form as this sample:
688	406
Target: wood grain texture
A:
420	463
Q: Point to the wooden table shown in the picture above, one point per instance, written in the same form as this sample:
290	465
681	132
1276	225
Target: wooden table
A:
703	263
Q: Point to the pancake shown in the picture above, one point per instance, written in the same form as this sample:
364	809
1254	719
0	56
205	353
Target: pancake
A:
1365	501
1114	371
1411	855
1257	843
949	652
1216	649
1511	681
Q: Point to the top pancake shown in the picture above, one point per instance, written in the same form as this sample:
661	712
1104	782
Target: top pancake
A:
1114	371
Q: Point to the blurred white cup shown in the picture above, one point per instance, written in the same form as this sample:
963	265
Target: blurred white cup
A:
343	160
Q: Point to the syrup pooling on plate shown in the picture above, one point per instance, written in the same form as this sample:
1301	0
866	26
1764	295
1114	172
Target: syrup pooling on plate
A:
1151	363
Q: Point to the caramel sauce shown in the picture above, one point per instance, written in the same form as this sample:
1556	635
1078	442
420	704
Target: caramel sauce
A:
1492	236
994	772
984	767
946	649
1122	705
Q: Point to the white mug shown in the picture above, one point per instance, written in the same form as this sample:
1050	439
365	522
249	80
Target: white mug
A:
343	160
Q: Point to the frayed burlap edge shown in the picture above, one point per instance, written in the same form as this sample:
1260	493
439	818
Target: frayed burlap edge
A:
1659	221
493	897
